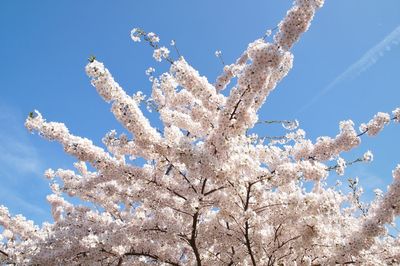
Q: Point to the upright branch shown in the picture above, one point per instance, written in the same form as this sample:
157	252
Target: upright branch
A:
192	240
247	226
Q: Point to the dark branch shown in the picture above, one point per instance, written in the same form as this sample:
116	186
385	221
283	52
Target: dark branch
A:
170	166
176	193
362	133
237	104
248	244
247	227
152	256
213	190
204	186
167	188
4	253
177	210
168	169
246	206
192	240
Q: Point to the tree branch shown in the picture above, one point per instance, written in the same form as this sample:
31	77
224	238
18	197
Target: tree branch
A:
248	244
247	227
213	190
182	174
152	256
237	104
192	240
4	253
204	186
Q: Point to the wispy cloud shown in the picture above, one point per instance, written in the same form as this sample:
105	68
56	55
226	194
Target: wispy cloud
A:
16	152
22	204
366	61
20	163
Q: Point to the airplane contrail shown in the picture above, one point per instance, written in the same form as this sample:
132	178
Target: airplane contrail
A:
366	61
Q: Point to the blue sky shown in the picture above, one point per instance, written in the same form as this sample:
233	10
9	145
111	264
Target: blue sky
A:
346	66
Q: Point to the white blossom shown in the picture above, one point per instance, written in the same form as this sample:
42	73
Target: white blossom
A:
150	71
160	53
138	97
49	173
290	125
376	124
153	37
134	35
7	234
90	241
341	165
203	189
396	115
368	156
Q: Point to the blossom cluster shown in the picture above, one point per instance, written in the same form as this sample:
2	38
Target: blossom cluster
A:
204	191
376	124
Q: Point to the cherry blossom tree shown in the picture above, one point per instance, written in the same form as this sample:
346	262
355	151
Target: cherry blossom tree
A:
209	193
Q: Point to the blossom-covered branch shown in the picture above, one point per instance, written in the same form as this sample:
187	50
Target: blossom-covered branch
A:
204	190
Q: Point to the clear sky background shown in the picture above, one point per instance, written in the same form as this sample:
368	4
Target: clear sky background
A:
346	66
